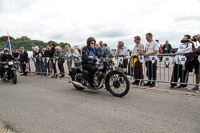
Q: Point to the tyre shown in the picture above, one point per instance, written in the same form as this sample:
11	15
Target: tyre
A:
117	83
14	77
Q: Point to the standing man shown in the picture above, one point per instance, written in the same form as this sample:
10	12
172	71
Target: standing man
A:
51	55
23	60
58	55
107	52
101	44
16	53
151	49
99	49
121	49
166	47
37	55
138	50
196	66
74	53
67	55
160	52
47	55
44	62
122	52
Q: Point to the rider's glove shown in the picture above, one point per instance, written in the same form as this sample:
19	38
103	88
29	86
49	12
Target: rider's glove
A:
90	57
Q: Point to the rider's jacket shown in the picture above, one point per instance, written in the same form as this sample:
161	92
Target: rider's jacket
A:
5	57
86	52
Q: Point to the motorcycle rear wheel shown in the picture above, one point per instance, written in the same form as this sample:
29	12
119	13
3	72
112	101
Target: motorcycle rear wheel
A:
77	87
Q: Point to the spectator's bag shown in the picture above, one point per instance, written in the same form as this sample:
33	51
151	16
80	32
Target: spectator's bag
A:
27	67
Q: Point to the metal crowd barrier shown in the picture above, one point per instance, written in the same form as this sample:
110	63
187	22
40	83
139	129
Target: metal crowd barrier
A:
49	66
164	71
163	74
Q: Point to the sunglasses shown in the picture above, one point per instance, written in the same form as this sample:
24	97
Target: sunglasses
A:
92	43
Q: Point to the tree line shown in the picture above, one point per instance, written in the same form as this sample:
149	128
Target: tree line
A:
27	43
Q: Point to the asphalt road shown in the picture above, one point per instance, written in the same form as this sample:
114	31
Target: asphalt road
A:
44	105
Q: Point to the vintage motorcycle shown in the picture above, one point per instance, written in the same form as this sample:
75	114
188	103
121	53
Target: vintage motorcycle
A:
9	71
115	81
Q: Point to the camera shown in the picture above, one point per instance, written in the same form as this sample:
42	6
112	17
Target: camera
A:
174	50
193	39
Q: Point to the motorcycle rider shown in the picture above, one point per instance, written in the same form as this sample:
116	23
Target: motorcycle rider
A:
89	55
5	57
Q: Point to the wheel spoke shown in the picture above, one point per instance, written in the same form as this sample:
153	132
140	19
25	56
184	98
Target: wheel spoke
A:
117	76
118	83
120	88
111	78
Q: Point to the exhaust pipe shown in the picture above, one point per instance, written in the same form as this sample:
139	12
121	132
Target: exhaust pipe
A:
76	83
85	87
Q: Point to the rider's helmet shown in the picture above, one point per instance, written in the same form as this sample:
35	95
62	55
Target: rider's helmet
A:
89	40
6	50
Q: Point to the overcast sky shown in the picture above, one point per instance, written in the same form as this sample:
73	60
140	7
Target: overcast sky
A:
73	21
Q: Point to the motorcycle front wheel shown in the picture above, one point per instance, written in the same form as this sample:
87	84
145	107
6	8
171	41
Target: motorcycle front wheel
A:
14	77
117	83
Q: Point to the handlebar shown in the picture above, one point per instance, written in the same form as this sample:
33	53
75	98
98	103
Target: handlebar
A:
6	62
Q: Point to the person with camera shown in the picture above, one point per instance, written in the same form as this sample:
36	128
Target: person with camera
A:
179	71
89	55
196	64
